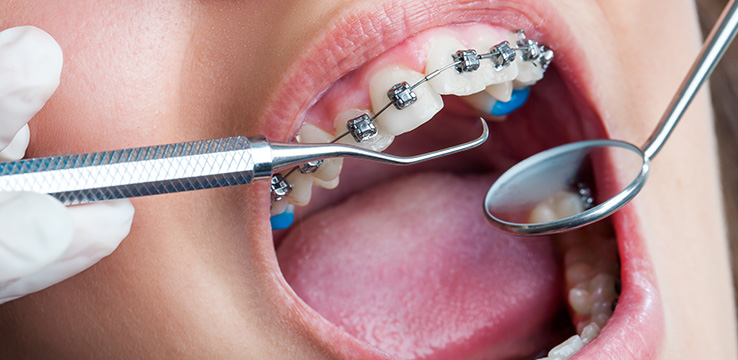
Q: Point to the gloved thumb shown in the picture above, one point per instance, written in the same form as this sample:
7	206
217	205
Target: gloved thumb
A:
30	69
36	230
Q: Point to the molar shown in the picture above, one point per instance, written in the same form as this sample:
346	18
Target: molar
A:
379	142
450	81
396	121
560	205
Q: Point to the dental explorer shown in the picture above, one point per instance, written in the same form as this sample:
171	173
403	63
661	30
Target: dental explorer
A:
515	194
108	175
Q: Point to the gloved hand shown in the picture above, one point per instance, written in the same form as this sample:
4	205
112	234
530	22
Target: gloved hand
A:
41	241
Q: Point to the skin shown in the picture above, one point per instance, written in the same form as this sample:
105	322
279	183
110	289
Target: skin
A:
187	281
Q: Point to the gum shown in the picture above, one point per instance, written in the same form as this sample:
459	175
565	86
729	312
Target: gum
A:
352	90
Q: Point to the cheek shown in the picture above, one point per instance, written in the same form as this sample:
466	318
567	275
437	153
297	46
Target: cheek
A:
136	75
119	82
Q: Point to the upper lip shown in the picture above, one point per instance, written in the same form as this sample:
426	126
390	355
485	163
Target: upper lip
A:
357	35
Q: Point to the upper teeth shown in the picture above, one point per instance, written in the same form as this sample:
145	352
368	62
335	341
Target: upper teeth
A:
403	99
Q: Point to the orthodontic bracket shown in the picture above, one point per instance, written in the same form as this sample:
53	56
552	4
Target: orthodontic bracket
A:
310	167
402	95
279	187
532	51
502	55
546	57
585	193
466	60
361	128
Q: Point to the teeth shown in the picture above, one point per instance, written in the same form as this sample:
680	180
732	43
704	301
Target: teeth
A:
591	270
567	348
330	169
529	72
561	204
379	142
491	90
481	101
450	81
331	184
302	188
395	121
483	43
590	332
502	91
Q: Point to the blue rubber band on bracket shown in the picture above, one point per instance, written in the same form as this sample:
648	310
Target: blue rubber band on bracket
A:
518	98
283	220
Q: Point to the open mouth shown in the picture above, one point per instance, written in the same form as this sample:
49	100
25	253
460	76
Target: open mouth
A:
400	262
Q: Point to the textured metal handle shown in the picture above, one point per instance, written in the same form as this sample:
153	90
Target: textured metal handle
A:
152	170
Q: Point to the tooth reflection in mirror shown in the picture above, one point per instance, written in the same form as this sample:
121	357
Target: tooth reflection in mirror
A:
539	195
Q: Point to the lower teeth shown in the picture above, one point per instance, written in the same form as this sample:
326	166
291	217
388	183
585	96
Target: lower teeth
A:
591	273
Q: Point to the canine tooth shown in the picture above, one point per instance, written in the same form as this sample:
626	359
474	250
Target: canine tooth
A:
395	121
567	348
330	184
379	142
483	43
331	168
590	332
502	91
450	81
302	188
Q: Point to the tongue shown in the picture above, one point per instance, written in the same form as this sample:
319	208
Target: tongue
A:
413	268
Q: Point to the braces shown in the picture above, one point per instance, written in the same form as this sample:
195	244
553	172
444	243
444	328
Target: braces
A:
401	95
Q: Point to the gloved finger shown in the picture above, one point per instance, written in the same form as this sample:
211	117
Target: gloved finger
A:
17	147
98	230
36	230
30	69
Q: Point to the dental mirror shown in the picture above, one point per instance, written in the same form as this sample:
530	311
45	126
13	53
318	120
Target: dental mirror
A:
553	192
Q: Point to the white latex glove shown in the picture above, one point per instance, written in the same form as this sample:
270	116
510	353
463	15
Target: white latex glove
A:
41	241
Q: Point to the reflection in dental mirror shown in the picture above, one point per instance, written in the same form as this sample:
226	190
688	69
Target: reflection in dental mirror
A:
554	191
534	197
